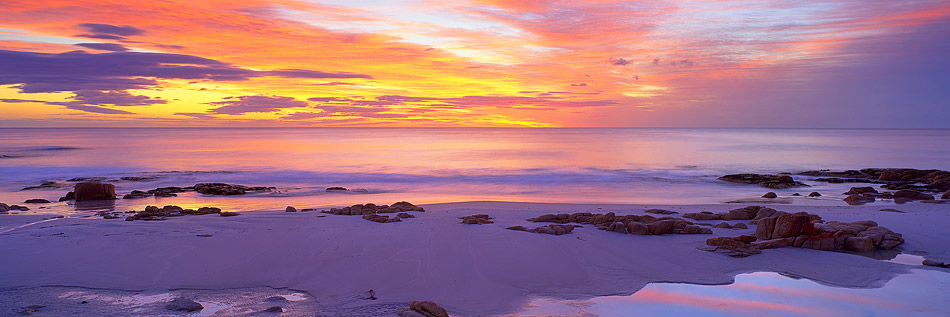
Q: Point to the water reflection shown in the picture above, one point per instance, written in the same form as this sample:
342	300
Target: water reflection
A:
920	293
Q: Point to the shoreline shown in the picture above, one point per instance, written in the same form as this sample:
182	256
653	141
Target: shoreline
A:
469	269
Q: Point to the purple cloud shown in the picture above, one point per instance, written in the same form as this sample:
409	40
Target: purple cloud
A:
260	103
104	46
124	30
95	109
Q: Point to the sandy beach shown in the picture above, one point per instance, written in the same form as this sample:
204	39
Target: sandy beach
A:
468	269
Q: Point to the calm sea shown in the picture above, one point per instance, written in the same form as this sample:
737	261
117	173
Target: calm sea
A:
428	165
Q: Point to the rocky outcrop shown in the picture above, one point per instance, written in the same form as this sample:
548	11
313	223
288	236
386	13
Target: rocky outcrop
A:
228	189
479	219
814	194
555	229
660	212
629	224
171	191
803	230
36	201
912	195
87	191
422	309
372	211
335	189
153	213
934	181
69	196
768	181
746	213
184	304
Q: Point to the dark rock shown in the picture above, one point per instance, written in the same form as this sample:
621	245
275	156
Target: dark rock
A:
4	207
661	227
69	196
29	310
913	195
703	216
770	195
87	191
290	209
861	191
740	226
229	214
428	308
637	228
404	215
227	189
477	219
274	309
858	199
184	304
517	228
330	189
860	244
696	230
933	263
554	229
768	181
814	194
945	195
660	211
36	201
724	225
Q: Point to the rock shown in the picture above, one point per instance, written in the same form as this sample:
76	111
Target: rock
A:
4	207
696	230
331	189
740	226
553	229
229	214
814	194
858	199
276	298
637	228
764	228
861	191
69	196
911	194
724	225
768	181
404	215
726	242
745	238
406	312
274	309
29	310
945	195
428	308
770	195
87	191
791	225
405	206
517	228
184	304
860	244
796	194
703	216
477	219
933	263
773	244
290	209
227	189
36	201
660	211
661	227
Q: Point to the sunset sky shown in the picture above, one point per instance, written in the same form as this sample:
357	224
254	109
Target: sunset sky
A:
580	63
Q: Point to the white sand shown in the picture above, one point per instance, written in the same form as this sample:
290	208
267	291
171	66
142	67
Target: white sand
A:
469	269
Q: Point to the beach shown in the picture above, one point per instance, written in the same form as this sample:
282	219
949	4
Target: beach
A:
469	269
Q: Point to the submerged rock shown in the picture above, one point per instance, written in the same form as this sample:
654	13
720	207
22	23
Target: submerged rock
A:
229	214
36	201
768	181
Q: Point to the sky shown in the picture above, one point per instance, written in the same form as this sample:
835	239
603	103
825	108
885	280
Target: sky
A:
486	63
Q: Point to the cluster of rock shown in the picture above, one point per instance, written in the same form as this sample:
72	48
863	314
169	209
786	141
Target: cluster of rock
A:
934	181
5	208
422	309
372	211
804	230
336	188
726	225
171	191
153	213
554	229
861	195
631	224
746	213
228	189
479	219
764	180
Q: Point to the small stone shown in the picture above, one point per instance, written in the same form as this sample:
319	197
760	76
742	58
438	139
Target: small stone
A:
290	209
229	214
814	194
770	195
36	201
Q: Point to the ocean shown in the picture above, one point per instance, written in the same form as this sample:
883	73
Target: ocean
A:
431	165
